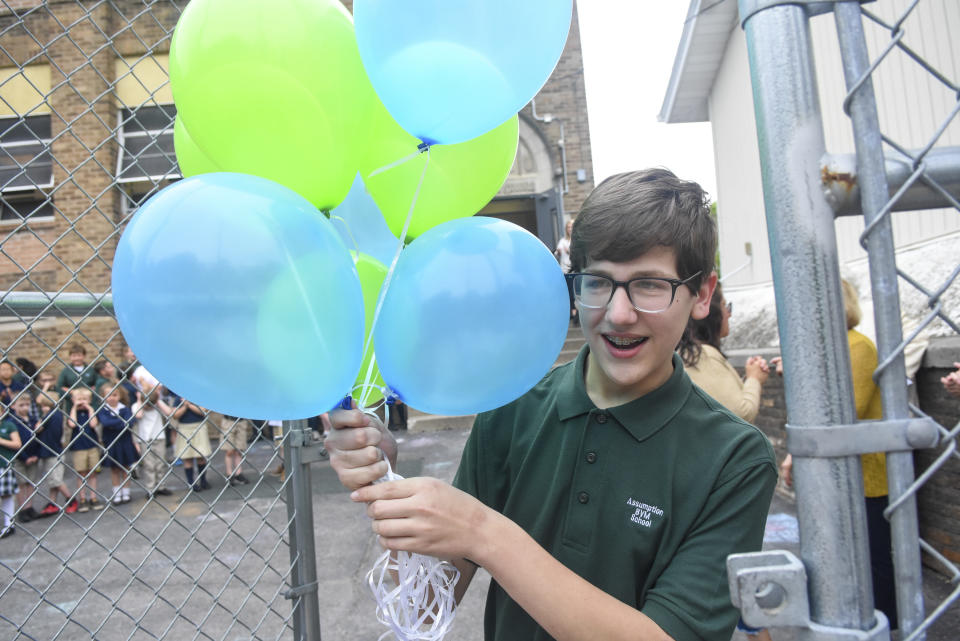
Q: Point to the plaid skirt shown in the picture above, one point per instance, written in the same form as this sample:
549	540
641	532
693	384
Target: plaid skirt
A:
8	482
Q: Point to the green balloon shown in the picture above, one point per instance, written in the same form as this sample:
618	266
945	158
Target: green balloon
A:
372	274
190	158
460	179
275	89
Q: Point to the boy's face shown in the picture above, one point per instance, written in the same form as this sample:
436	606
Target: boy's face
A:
21	406
6	372
643	360
76	358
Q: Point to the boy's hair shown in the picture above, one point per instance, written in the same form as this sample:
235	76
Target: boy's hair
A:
78	392
7	362
99	365
108	388
629	214
851	303
48	399
77	348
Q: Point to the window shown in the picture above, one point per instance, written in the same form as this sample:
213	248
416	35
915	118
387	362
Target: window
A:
146	145
26	168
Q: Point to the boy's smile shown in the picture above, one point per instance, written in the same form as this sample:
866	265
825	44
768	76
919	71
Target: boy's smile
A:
631	352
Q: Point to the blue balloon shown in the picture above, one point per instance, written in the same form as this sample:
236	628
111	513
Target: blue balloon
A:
448	71
237	294
363	227
475	315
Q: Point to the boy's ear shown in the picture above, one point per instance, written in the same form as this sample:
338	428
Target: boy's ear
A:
701	307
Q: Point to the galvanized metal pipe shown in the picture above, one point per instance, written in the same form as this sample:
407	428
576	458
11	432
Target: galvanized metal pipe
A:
875	195
842	177
28	305
302	549
819	390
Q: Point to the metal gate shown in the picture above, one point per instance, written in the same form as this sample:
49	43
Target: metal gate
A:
829	594
86	135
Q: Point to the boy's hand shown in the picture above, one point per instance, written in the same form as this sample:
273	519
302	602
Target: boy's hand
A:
357	444
31	460
426	516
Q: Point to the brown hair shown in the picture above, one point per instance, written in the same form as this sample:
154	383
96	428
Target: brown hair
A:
629	214
705	330
77	348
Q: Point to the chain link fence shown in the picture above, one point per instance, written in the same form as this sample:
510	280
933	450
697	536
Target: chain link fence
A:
175	523
892	171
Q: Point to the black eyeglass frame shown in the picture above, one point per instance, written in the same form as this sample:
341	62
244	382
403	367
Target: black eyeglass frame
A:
674	283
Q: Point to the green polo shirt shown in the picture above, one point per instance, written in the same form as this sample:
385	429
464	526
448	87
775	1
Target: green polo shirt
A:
644	500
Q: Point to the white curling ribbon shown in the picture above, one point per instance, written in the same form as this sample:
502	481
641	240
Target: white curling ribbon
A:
422	606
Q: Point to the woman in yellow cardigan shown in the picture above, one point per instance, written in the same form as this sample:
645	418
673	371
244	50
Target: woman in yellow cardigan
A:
866	395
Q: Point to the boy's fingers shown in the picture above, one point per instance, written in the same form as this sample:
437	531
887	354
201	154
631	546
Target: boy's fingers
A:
383	491
339	419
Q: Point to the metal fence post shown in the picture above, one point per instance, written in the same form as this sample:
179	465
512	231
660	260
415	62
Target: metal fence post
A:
862	108
303	591
833	538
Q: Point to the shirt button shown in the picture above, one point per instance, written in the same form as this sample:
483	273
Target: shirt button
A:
602	417
591	457
583	497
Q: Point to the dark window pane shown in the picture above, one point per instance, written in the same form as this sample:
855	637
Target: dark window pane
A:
20	209
148	118
147	154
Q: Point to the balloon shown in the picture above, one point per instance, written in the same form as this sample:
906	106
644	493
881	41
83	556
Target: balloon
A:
450	71
275	89
361	225
460	179
475	314
372	273
190	158
238	294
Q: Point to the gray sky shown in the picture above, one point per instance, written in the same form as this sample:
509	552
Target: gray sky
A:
628	51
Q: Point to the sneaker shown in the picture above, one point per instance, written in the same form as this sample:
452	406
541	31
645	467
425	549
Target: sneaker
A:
83	506
50	510
241	478
10	531
96	504
26	515
117	499
71	507
162	491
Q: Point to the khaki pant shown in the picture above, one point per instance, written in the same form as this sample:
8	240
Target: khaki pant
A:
153	464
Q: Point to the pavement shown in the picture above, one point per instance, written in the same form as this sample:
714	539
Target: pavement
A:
212	565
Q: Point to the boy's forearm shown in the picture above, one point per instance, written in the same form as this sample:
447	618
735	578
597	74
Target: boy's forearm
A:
538	582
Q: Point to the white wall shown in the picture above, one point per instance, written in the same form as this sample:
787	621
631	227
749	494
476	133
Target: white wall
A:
912	104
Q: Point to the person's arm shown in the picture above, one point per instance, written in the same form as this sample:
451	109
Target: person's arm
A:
179	410
863	362
12	443
430	517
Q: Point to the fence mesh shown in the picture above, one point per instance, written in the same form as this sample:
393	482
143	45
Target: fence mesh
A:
86	134
898	27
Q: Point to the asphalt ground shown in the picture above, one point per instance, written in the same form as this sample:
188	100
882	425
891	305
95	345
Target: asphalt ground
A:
213	564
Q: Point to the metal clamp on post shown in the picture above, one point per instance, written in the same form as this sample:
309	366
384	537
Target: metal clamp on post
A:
770	590
300	590
896	435
309	451
813	7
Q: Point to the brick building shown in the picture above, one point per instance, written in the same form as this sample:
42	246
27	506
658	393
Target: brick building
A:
86	118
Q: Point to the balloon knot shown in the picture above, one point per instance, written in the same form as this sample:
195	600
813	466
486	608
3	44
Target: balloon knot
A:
423	147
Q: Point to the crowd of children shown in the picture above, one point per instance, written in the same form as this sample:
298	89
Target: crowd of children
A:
92	417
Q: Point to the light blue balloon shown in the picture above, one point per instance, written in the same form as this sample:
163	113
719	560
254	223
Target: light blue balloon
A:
449	71
237	294
475	315
362	226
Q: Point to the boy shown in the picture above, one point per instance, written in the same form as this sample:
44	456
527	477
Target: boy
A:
150	411
85	448
9	386
76	373
49	453
26	463
605	501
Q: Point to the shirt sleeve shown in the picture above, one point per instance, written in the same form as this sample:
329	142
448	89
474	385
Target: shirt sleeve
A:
691	599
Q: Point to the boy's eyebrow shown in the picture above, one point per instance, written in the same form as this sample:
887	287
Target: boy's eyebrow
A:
642	273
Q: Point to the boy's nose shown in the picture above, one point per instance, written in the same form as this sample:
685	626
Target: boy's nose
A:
620	310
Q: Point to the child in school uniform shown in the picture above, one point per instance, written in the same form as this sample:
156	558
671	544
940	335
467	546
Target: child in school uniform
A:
50	454
26	461
9	446
85	448
116	421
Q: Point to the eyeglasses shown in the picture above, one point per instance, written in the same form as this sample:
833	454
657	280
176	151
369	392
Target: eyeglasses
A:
647	294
